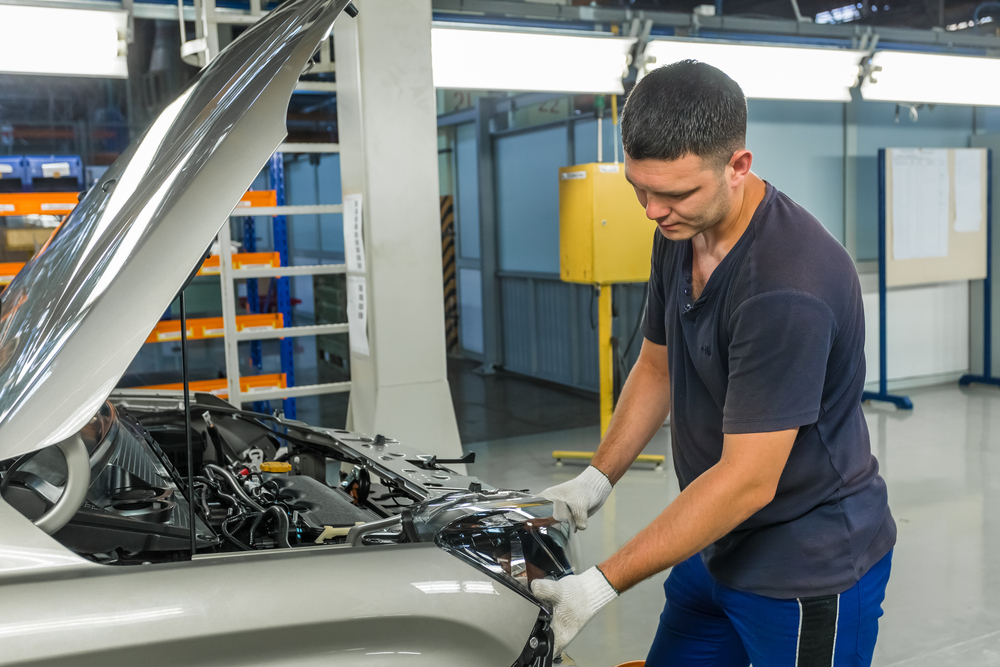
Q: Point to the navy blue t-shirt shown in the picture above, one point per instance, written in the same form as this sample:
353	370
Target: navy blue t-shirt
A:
776	342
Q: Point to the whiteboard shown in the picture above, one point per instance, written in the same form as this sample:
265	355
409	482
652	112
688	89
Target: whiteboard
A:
935	215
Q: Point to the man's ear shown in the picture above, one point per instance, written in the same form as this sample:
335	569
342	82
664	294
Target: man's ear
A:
740	163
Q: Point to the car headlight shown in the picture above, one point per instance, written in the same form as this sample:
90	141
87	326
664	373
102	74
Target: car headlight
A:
512	536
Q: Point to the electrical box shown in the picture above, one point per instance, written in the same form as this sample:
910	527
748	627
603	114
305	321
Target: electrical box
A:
604	234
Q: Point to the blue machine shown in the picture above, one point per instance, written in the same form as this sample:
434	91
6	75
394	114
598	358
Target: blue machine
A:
54	173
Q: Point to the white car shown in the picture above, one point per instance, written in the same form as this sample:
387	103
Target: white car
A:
277	543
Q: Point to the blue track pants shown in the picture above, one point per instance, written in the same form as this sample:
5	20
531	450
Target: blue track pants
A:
706	624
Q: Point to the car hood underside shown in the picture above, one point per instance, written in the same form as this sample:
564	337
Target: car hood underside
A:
74	318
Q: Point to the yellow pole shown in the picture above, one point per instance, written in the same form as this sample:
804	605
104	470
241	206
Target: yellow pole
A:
606	359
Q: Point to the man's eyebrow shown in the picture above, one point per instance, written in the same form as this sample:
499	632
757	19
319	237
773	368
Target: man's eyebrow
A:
666	193
679	194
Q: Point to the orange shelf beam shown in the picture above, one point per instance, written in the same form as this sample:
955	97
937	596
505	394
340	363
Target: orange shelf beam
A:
212	327
61	203
248	385
242	260
8	270
258	198
37	203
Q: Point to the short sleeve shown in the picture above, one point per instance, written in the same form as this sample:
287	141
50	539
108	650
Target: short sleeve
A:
779	346
653	326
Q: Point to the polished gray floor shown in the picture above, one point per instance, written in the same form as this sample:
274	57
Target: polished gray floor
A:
942	465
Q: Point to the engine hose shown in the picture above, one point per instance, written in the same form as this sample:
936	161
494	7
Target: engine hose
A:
234	485
230	500
282	525
240	518
203	504
253	528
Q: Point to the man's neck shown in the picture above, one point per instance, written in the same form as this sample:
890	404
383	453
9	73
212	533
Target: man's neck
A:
719	239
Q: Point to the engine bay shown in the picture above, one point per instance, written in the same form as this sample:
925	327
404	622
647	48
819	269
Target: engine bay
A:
260	482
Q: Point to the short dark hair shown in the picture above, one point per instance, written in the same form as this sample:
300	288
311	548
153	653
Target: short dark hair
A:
685	107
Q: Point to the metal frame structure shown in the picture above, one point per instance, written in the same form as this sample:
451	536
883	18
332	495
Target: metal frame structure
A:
987	376
200	51
228	276
535	12
693	24
883	395
490	117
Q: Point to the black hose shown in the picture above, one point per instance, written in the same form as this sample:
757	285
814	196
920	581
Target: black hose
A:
230	500
203	505
234	485
282	526
253	528
241	518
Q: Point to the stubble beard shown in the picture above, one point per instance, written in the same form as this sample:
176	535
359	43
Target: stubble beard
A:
714	213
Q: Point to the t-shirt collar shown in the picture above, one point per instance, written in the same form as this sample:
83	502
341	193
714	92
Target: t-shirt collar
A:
690	306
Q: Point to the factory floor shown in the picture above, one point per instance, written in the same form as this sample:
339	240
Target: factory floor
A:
942	466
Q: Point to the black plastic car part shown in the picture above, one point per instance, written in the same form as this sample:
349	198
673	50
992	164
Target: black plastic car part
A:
537	651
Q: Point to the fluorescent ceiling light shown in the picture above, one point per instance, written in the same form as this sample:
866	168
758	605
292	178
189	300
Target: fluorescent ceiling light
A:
468	58
73	42
933	79
839	15
771	72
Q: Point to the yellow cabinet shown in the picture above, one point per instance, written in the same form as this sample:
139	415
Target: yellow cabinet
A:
604	234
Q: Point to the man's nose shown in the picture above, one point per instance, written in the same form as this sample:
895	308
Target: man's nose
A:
656	210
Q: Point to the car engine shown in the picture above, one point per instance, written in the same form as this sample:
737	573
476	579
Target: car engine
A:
262	482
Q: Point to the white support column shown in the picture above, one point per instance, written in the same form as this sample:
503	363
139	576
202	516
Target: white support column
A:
386	111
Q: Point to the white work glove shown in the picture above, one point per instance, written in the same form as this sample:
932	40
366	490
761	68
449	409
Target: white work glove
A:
579	498
575	600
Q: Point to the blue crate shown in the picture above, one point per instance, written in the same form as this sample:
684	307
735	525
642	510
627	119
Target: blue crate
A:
12	167
52	169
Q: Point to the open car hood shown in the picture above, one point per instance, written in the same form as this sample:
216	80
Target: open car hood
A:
75	316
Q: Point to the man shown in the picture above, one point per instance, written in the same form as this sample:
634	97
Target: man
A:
781	538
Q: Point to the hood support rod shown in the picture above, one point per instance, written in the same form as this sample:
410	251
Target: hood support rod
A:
187	425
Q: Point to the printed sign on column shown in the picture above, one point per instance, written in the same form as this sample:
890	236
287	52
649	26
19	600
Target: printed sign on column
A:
357	314
354	244
357	283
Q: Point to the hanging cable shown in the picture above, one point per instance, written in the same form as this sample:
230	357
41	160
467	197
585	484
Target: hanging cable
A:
623	356
638	322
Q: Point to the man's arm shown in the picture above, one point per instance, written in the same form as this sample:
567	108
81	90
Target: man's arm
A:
642	408
743	481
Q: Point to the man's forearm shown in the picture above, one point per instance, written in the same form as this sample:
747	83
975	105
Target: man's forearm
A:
642	408
705	511
743	481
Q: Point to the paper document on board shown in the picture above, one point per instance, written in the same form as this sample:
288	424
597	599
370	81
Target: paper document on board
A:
357	314
920	203
354	243
968	190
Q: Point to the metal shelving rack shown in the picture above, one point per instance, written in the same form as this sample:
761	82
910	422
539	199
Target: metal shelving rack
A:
200	51
228	276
